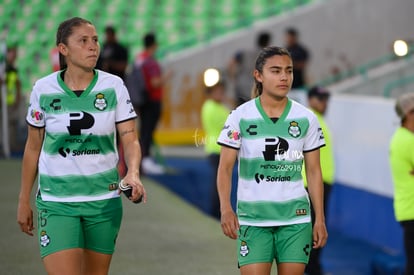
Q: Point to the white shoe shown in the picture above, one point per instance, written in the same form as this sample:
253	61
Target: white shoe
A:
151	168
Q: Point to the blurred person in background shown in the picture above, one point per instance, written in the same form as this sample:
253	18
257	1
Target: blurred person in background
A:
300	56
402	170
213	115
114	56
318	99
71	153
54	59
150	111
14	100
241	67
114	60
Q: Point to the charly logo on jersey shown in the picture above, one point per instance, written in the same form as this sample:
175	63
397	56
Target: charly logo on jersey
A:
294	129
56	104
251	130
307	249
44	239
100	102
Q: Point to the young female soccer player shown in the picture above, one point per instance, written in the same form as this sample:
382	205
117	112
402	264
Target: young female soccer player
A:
71	146
270	136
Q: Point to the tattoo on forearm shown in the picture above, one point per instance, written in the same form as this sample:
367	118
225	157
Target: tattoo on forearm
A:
123	133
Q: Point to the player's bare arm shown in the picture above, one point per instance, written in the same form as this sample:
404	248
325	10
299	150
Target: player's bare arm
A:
315	186
129	139
29	171
229	222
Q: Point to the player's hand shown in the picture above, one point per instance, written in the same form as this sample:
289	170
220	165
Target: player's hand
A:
138	189
25	218
320	234
230	224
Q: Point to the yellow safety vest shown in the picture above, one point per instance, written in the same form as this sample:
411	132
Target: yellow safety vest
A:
11	80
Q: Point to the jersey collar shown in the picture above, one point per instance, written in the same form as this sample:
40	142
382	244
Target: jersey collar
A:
88	89
266	117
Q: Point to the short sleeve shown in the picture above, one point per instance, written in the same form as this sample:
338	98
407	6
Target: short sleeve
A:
230	134
314	138
35	114
124	110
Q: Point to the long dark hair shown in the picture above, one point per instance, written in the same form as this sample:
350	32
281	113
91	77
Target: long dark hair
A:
264	54
64	30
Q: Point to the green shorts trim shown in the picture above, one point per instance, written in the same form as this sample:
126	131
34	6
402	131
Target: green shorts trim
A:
285	244
90	225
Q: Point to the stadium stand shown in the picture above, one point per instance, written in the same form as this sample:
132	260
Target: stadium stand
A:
179	24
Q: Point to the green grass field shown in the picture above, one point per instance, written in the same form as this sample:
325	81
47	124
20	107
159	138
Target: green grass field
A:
164	236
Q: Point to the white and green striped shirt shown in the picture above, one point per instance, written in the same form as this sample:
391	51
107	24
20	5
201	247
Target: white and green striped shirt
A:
78	160
270	188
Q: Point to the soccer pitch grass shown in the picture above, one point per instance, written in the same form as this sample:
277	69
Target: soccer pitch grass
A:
164	236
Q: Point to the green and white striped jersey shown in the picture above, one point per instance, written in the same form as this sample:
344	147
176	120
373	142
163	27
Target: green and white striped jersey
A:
78	160
270	189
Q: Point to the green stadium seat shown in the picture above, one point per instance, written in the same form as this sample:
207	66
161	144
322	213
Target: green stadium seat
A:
11	9
177	23
172	8
3	13
144	8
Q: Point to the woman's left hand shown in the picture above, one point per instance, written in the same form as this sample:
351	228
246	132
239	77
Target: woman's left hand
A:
320	234
138	189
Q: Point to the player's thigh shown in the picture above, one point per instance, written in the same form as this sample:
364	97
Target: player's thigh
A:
293	243
255	245
95	263
290	269
256	269
101	225
64	262
59	228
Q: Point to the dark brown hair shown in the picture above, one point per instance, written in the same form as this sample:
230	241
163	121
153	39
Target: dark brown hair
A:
149	40
65	30
264	54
